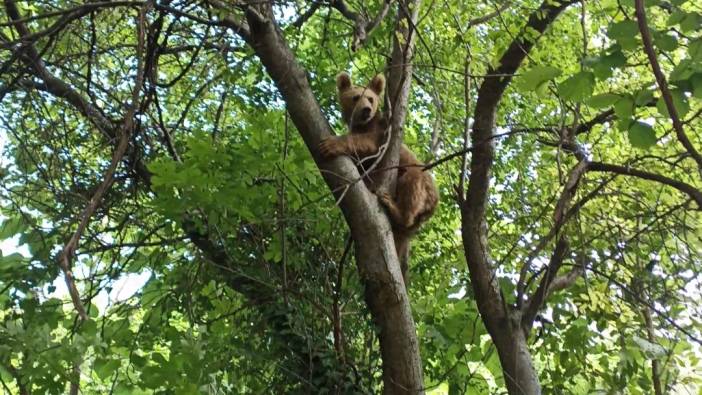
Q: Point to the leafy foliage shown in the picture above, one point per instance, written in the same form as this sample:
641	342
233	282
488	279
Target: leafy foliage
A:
220	211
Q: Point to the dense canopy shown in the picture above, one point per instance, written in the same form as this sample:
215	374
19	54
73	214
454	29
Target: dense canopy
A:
168	227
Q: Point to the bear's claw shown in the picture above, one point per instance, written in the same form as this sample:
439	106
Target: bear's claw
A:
327	148
384	198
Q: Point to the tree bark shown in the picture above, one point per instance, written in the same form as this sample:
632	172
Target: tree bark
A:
515	359
398	88
503	322
375	253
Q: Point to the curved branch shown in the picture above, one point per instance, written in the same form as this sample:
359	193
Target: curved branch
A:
537	300
487	293
663	84
688	189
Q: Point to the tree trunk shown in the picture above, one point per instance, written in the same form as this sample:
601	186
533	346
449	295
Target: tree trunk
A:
377	261
503	322
515	359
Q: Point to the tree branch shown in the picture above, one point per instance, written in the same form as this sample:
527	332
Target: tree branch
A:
474	227
688	189
663	84
58	88
564	281
482	19
375	253
307	14
362	27
537	300
398	87
560	216
125	132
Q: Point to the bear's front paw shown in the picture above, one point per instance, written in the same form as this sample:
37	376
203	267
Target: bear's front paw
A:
384	198
329	148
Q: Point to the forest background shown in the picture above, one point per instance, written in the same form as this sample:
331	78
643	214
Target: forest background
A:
167	225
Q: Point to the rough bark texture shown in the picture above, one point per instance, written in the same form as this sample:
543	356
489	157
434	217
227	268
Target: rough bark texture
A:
375	253
398	89
502	322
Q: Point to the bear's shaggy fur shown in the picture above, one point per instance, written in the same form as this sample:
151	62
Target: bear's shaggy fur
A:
415	196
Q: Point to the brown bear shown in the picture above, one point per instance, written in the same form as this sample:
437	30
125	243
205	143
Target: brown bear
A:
415	195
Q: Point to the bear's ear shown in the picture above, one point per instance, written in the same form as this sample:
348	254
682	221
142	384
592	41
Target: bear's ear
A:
343	82
377	84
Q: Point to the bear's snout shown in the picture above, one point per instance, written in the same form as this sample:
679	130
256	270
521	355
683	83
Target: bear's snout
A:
365	112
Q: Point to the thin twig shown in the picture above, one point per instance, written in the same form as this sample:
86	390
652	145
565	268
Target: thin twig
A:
69	249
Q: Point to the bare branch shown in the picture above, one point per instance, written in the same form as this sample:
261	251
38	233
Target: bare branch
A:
125	132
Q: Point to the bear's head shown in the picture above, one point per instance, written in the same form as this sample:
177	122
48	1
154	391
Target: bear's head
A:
359	104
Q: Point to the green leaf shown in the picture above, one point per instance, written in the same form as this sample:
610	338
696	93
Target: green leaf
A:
603	66
679	102
105	368
137	360
682	71
11	227
691	22
694	48
643	97
641	135
578	87
603	100
675	18
537	76
626	33
696	81
12	261
665	42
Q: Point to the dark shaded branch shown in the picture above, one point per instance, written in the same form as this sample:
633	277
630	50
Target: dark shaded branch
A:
239	27
362	26
688	189
663	84
336	305
344	9
539	298
560	216
307	14
487	293
53	85
600	118
482	19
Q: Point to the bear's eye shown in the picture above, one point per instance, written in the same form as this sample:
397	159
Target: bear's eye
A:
355	98
370	99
